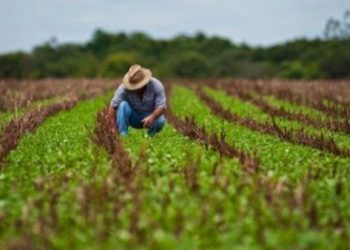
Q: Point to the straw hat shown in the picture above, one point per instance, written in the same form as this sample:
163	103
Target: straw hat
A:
136	77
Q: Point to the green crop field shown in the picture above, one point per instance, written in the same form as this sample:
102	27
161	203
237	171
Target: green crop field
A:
239	165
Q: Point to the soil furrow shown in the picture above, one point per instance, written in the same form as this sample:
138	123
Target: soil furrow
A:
335	125
29	122
17	94
331	99
104	137
190	128
298	136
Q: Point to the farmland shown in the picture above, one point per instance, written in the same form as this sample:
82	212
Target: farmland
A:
240	164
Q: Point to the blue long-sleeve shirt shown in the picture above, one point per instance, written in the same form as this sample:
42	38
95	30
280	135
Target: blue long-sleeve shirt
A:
153	97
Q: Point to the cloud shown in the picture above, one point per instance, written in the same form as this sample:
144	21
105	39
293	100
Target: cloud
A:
27	23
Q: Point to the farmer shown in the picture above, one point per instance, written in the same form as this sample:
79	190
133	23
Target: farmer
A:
139	102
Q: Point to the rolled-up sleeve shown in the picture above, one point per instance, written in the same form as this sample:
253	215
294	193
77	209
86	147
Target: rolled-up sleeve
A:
118	97
160	100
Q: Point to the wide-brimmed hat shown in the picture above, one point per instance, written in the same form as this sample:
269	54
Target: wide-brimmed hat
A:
136	77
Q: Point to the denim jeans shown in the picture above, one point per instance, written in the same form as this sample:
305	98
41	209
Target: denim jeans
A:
126	117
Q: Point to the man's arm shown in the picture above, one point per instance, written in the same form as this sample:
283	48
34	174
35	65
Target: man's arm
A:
147	121
160	103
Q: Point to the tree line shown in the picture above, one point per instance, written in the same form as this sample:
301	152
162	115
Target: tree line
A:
190	56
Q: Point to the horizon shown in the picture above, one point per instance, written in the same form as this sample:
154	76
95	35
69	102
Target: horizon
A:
170	37
68	22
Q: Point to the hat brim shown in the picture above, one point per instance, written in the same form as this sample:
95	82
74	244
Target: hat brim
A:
126	80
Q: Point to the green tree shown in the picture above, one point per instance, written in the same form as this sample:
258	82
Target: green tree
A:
299	70
190	64
15	65
335	62
117	64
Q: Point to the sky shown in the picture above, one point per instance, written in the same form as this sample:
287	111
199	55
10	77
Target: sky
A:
27	23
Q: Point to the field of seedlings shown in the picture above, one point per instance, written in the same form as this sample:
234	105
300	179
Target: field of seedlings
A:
239	165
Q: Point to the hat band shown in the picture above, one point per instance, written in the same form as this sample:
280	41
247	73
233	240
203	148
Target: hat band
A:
137	77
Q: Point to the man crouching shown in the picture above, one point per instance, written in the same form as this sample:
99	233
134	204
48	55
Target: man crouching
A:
138	102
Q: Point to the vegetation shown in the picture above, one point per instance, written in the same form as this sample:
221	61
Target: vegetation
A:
257	163
221	174
109	55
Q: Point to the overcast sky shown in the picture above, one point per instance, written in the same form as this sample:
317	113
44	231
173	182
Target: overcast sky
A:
26	23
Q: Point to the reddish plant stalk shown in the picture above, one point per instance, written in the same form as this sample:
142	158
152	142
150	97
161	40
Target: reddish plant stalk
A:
298	136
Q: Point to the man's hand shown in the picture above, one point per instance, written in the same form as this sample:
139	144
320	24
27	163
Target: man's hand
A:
148	121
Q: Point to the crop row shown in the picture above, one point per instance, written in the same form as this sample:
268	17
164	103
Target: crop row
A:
17	94
330	98
6	117
31	120
335	125
308	180
251	111
256	198
108	207
296	136
275	193
28	123
188	104
104	137
169	192
188	127
42	179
